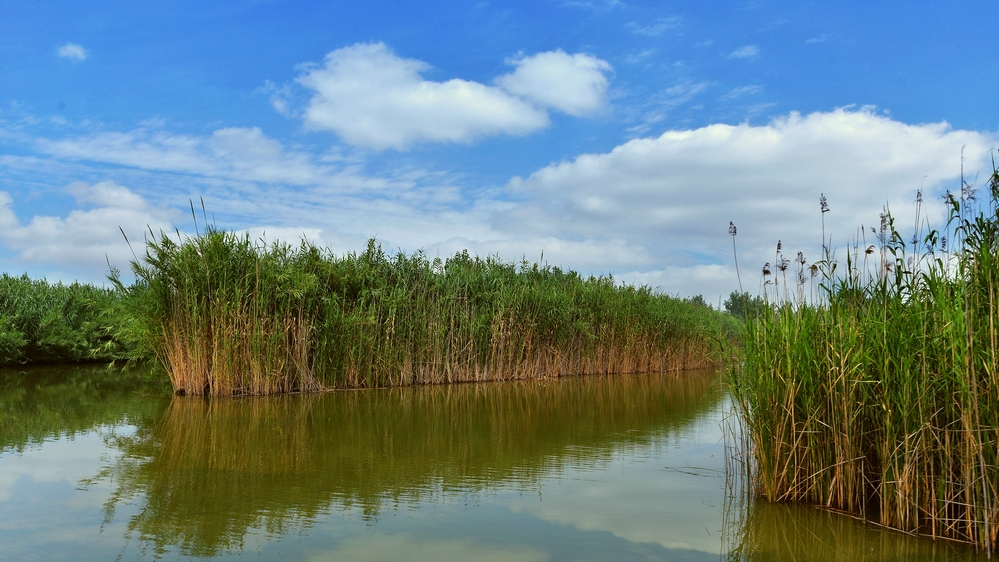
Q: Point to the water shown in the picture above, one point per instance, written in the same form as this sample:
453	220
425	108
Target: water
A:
105	465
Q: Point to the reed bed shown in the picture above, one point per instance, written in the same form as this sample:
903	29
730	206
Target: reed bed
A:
227	315
43	322
882	399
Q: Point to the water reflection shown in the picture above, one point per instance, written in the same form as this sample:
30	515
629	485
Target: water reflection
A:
98	464
764	532
209	471
42	403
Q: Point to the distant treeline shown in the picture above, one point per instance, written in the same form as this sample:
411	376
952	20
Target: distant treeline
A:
224	314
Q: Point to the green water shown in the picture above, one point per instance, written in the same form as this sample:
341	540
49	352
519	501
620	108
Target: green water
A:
99	465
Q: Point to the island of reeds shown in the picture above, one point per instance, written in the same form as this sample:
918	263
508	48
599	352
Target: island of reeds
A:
228	315
881	399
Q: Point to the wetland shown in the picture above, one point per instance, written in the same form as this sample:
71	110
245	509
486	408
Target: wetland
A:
107	464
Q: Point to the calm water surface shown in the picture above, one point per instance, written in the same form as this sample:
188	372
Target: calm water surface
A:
98	465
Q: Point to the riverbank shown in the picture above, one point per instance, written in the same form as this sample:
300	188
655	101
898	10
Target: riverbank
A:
226	315
882	400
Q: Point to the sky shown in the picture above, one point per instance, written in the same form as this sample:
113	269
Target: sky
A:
604	136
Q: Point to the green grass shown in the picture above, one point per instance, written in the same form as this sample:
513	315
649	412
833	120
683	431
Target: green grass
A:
228	315
883	399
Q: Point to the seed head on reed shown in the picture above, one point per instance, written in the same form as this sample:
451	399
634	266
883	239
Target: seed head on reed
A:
883	400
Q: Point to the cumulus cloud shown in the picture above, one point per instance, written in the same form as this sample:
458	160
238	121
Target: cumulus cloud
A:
88	236
373	98
652	210
72	51
575	84
745	52
673	195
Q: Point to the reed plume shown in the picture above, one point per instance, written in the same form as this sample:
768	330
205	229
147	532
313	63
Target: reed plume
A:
884	401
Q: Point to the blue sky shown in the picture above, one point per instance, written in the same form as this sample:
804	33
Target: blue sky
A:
614	136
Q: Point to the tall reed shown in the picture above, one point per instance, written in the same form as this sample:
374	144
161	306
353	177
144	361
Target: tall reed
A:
884	400
43	322
228	315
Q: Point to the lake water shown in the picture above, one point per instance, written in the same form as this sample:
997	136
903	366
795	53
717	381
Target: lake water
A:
99	465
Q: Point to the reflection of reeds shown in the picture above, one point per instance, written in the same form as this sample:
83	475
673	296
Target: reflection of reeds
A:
764	532
229	316
884	400
40	403
209	471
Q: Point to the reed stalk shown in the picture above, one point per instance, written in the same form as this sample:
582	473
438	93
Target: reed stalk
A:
884	401
227	316
42	322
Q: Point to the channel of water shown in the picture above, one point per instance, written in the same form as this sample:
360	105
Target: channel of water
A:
108	465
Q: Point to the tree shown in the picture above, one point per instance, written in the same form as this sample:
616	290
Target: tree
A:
742	305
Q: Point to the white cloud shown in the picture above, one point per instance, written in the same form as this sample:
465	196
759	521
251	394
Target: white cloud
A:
652	210
741	91
595	6
232	153
73	51
639	56
575	84
670	198
820	39
661	26
280	97
665	103
373	98
745	52
88	236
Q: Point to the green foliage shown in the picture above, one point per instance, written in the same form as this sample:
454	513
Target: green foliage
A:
743	306
225	315
884	400
55	323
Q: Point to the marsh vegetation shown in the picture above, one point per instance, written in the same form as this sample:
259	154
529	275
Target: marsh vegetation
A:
227	315
43	322
881	398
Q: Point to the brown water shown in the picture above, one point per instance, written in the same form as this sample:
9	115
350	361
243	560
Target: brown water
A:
102	465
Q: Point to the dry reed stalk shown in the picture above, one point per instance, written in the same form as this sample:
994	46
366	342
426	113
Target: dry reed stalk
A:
883	401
